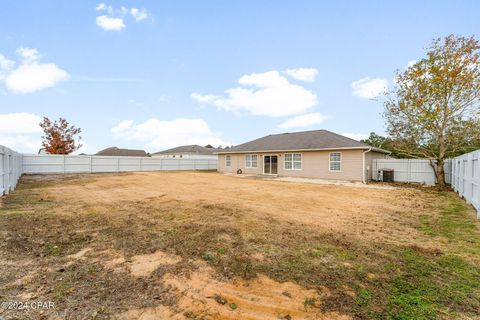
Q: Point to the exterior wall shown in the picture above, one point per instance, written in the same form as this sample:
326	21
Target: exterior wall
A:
315	164
369	157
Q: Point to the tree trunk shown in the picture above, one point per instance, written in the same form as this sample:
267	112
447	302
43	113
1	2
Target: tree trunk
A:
440	172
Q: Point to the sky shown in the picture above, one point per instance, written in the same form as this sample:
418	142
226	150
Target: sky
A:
157	74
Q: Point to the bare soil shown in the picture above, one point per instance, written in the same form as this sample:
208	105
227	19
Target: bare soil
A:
197	245
353	211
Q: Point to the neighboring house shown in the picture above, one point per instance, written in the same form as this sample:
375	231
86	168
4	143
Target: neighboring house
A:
308	154
114	151
189	152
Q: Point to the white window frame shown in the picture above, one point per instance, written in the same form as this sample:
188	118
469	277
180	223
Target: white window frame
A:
228	161
249	162
292	161
330	162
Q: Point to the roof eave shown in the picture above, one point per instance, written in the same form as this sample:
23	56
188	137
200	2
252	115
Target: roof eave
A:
314	149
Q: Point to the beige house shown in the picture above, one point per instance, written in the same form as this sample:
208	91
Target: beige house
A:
308	154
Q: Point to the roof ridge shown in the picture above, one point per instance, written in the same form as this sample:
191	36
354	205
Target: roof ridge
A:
294	132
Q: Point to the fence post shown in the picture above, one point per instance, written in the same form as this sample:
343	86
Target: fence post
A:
9	174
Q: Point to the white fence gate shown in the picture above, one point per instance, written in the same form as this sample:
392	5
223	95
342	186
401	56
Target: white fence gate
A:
466	178
410	170
10	169
39	163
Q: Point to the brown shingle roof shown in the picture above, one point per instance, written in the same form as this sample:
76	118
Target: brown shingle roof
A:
305	140
114	151
190	149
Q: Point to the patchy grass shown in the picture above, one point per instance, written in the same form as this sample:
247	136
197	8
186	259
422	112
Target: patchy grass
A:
365	279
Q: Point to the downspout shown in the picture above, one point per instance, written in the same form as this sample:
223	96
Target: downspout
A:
364	179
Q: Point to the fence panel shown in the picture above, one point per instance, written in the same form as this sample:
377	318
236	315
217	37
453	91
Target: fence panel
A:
40	163
10	169
406	170
411	170
466	178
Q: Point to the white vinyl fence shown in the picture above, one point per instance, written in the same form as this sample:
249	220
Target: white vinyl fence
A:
39	163
466	178
410	170
10	169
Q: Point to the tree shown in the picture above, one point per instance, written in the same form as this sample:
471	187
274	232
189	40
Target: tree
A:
378	141
434	110
375	140
59	136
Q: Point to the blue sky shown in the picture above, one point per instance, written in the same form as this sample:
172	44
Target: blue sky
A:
153	75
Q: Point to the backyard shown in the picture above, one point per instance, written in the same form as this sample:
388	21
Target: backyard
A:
201	245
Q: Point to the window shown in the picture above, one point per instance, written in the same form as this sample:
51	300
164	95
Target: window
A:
228	161
335	161
251	161
293	161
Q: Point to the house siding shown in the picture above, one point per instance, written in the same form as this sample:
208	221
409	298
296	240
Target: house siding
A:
315	164
369	157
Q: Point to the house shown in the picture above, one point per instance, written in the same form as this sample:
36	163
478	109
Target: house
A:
308	154
189	152
114	151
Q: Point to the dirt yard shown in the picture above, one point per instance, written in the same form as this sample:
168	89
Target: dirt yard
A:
198	245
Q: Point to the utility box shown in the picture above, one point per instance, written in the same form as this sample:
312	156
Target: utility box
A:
386	175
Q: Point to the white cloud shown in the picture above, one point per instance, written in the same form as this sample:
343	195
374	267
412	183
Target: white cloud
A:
158	134
207	98
268	94
104	7
33	77
20	131
356	136
139	14
268	79
110	23
114	19
21	143
22	122
30	75
369	88
5	66
122	126
28	54
303	74
305	120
